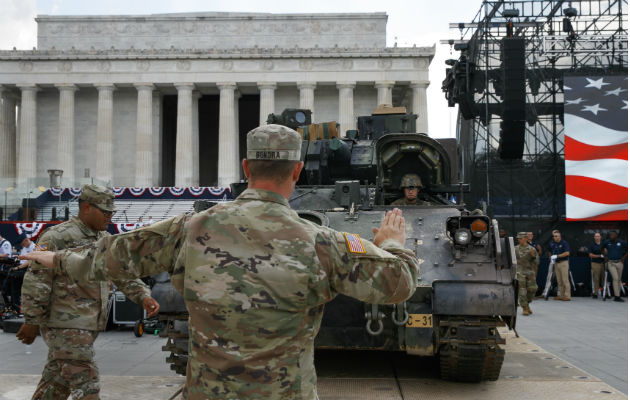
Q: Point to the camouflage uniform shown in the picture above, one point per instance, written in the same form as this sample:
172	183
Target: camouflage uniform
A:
70	315
525	263
255	277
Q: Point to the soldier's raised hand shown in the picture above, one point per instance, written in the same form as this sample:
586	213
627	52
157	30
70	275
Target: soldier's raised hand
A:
392	227
46	258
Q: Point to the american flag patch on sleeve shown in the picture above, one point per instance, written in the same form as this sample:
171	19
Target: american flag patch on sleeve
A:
354	243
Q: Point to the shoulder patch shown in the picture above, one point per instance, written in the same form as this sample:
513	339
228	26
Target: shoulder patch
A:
41	247
354	243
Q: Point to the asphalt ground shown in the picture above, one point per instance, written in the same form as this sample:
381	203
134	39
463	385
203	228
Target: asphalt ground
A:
566	350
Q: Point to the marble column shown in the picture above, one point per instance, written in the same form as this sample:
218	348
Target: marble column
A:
184	142
419	90
104	133
384	92
237	153
195	137
228	136
7	137
307	96
27	152
346	106
267	100
65	138
144	131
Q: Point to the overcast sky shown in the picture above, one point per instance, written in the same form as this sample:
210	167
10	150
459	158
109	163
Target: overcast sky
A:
420	22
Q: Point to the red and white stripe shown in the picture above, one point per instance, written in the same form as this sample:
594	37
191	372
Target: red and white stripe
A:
596	169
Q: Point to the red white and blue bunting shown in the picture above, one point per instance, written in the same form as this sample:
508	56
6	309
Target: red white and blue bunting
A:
30	229
212	193
177	191
75	192
136	191
157	191
123	228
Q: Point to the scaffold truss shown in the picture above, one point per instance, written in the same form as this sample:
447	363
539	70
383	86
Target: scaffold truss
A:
561	38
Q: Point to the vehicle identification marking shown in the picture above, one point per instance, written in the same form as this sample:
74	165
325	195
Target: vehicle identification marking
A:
420	321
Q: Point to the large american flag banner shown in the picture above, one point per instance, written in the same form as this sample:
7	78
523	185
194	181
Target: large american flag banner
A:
596	147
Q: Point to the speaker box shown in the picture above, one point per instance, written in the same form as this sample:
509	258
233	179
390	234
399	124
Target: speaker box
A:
512	135
126	312
512	140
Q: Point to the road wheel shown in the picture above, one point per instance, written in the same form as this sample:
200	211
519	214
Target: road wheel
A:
138	329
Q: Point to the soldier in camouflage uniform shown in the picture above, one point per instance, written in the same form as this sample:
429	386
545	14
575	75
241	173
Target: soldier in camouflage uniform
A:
526	259
411	185
255	276
70	314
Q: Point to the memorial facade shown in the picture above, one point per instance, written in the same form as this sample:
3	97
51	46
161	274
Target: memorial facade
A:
166	100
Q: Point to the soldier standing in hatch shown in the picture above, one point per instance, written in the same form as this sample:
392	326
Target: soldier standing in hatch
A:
70	314
411	184
255	276
526	259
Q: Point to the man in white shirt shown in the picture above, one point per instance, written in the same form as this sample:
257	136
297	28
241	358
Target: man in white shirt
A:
5	247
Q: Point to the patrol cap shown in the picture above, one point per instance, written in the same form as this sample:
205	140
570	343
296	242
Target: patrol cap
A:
521	235
99	196
274	142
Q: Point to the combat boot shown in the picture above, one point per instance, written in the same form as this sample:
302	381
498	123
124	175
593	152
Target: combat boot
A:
527	310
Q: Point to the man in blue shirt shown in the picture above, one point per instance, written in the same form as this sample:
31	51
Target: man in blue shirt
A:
559	252
616	251
597	263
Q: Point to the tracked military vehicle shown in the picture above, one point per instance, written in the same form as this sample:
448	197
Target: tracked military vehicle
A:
466	287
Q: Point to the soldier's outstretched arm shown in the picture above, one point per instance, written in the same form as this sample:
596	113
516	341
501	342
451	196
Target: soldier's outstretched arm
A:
383	274
142	252
37	286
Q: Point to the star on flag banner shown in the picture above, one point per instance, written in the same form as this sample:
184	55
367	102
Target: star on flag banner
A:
596	147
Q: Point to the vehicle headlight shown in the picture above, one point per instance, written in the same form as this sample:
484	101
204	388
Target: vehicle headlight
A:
462	236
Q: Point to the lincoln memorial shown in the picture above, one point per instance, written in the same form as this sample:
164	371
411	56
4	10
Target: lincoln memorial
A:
167	99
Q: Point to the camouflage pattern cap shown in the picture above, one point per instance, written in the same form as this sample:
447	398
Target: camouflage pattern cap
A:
274	142
521	235
99	196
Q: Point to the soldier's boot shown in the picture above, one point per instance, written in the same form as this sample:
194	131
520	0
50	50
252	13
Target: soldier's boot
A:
527	310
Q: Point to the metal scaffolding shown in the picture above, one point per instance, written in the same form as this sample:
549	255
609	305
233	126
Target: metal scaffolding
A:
561	38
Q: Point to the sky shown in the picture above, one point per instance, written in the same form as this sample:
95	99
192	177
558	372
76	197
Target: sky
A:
419	22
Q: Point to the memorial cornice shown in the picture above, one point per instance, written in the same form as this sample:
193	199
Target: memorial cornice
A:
238	53
200	16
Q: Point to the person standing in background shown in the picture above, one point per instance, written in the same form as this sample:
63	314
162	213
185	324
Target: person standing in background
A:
616	250
559	251
597	264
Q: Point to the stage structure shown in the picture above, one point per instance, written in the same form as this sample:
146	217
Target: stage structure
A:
508	84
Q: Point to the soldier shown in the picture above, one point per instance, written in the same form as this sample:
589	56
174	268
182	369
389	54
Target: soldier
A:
411	184
526	259
530	241
255	276
70	314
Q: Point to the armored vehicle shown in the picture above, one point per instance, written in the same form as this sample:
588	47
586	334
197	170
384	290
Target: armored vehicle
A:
466	288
